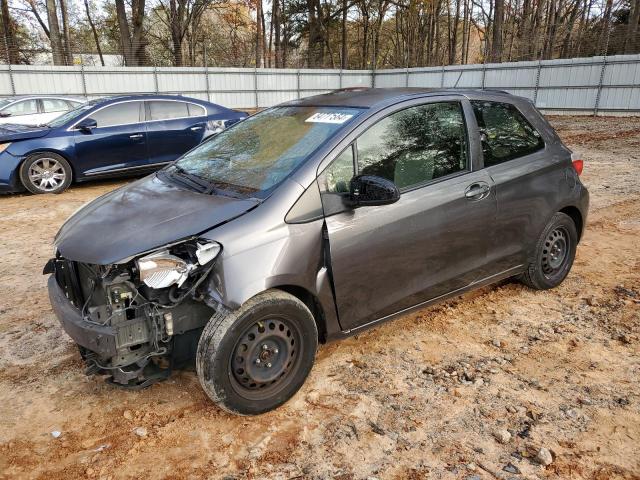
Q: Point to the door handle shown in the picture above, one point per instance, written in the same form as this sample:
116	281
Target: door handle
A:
195	129
477	191
137	135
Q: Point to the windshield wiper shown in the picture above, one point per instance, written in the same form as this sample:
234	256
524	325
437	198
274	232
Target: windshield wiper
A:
190	179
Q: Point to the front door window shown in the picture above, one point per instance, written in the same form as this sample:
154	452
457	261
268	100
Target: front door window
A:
416	145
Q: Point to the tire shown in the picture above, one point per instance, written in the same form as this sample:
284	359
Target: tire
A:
554	254
254	359
45	172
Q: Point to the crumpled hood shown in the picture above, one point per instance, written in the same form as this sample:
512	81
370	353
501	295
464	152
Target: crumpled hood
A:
142	216
10	132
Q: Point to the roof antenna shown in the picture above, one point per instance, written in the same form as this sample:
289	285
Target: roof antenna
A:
459	77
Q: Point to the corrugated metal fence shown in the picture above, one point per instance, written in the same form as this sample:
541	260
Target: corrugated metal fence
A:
586	85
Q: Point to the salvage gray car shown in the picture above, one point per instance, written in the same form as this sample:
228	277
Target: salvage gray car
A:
312	221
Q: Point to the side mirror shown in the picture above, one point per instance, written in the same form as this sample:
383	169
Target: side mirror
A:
5	114
370	190
87	125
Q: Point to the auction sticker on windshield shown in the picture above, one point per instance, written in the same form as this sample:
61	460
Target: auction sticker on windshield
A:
333	117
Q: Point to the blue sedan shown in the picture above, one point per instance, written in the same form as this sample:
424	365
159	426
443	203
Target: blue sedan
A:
108	137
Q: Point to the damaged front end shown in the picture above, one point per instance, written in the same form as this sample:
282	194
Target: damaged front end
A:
138	319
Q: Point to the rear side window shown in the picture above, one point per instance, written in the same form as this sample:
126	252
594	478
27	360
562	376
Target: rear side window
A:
54	105
505	133
196	110
25	107
119	114
159	110
415	145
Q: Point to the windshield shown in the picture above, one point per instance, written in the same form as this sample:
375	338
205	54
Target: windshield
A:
261	151
5	102
71	114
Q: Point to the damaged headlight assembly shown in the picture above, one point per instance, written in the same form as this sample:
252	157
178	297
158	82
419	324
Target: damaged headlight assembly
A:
138	318
162	269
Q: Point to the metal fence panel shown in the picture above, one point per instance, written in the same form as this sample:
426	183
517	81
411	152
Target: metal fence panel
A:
523	74
464	76
567	98
592	85
181	80
319	79
46	80
117	80
426	78
391	78
620	99
356	78
6	87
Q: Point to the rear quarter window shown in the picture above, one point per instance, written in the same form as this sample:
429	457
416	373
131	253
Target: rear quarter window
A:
505	133
196	110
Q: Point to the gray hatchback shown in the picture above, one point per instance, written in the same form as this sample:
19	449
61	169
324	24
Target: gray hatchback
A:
312	221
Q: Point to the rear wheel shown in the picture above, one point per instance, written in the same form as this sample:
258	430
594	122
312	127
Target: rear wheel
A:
554	254
45	172
254	359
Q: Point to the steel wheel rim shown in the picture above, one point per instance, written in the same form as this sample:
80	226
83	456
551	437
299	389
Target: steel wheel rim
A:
267	354
47	174
555	251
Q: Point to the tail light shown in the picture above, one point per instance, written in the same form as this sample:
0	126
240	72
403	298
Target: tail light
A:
578	165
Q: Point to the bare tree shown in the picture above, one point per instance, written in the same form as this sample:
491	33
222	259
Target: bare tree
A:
259	35
57	49
496	38
133	42
94	31
66	38
631	39
9	33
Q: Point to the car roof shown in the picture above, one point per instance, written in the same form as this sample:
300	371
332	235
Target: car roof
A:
150	96
365	97
26	97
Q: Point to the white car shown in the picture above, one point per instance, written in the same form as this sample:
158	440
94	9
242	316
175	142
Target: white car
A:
35	110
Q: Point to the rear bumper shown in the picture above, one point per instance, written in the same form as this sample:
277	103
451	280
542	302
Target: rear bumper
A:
98	339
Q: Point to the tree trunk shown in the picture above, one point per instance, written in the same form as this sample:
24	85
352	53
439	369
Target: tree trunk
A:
138	42
631	42
65	33
264	40
54	33
125	34
275	23
175	26
496	41
604	37
95	32
258	44
315	54
10	43
344	60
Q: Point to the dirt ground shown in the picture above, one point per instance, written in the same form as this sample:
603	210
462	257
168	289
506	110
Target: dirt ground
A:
427	396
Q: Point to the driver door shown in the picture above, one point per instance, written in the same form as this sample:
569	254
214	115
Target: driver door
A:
119	142
434	240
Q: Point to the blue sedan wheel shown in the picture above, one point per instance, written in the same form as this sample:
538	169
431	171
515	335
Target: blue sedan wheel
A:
45	173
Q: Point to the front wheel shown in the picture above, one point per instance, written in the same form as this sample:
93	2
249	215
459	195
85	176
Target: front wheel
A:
554	254
254	359
45	172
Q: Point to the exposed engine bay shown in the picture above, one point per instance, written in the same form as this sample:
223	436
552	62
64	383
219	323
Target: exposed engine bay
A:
137	320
